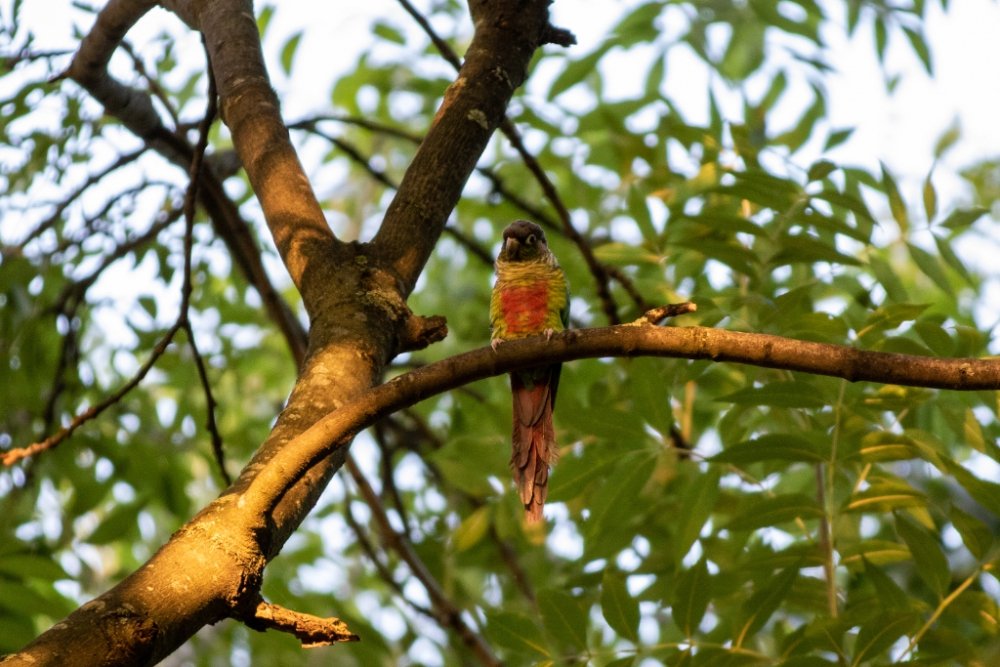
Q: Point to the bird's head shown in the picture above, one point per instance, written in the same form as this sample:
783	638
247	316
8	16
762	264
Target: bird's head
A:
523	241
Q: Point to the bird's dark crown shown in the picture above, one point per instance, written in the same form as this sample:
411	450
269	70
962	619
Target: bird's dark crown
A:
522	230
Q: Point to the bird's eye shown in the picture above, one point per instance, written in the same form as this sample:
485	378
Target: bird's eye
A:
531	239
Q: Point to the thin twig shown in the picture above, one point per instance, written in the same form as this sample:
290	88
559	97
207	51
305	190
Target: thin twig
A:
448	614
154	85
941	607
46	224
388	480
354	154
189	205
310	124
381	567
14	455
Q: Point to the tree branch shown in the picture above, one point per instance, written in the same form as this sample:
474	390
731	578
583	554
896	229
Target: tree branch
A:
250	107
312	631
639	338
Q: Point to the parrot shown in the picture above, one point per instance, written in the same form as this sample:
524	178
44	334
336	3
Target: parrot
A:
530	298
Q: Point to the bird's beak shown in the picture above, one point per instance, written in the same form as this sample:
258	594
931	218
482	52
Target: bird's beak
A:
513	249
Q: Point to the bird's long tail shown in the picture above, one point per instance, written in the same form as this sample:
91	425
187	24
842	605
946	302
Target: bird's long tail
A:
534	443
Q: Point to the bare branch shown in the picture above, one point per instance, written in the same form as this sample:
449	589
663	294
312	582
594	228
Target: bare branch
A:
312	631
639	338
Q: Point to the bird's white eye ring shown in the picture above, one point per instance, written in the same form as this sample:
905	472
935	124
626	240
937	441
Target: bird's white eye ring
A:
531	239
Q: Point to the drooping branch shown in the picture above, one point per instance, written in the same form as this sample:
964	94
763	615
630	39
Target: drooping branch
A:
449	615
639	338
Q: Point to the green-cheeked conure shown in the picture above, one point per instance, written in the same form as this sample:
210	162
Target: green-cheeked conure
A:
530	298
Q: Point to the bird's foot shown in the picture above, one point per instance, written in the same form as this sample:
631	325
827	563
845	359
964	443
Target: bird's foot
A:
495	343
548	334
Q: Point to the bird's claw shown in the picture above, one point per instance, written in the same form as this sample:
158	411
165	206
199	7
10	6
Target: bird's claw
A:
548	334
495	343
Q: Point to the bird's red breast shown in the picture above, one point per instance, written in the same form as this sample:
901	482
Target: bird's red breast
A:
525	307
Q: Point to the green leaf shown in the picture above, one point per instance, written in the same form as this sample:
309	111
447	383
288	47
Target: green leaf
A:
650	393
881	446
118	522
962	218
931	267
838	137
931	563
388	33
879	634
639	211
765	601
691	596
820	170
881	37
804	249
878	552
576	70
31	566
978	539
806	661
947	139
772	447
776	511
614	502
896	203
888	318
288	52
888	593
951	259
888	279
564	617
624	254
620	609
148	304
884	495
516	632
573	474
985	493
264	19
930	197
920	48
472	529
777	395
699	501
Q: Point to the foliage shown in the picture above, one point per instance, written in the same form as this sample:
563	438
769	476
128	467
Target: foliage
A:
698	508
